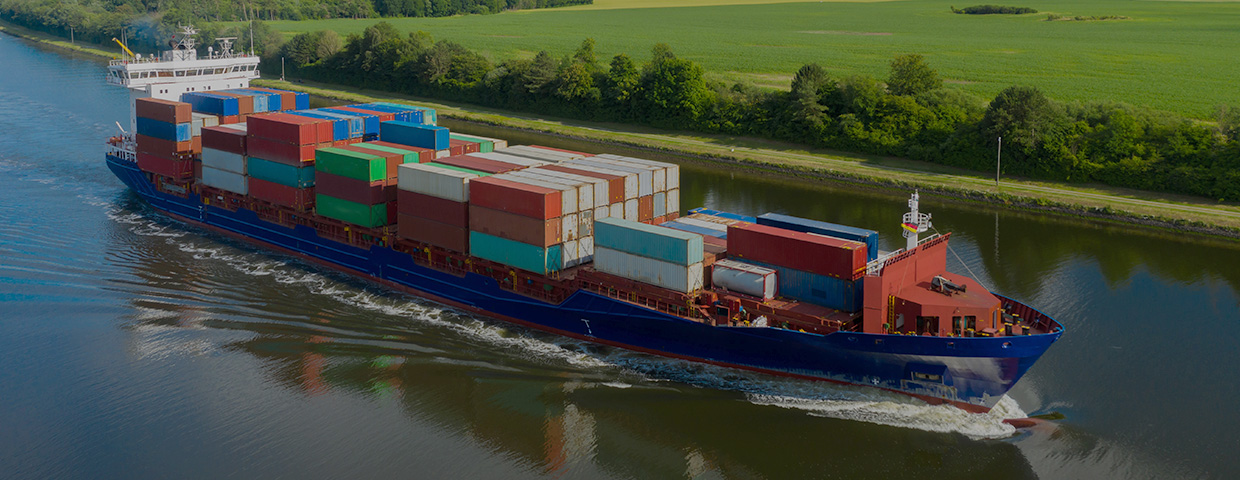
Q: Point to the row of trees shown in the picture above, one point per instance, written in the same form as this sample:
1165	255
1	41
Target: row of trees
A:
907	114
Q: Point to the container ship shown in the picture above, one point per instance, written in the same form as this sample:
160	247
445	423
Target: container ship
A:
592	247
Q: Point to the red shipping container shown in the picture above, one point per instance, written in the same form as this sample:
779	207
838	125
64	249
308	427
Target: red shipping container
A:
195	144
425	155
563	150
353	190
440	235
224	139
460	147
287	153
479	164
394	160
528	230
166	111
645	208
230	119
198	170
615	183
512	197
245	103
818	254
163	148
433	208
383	116
300	199
345	142
175	169
292	129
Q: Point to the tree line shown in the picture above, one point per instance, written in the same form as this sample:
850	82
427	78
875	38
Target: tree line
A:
908	114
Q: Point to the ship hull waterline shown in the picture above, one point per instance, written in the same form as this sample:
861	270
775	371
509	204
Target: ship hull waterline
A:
974	373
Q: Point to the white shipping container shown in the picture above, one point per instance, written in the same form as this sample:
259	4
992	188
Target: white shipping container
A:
745	278
660	204
645	184
684	279
658	172
673	170
630	210
513	159
236	126
602	212
569	225
435	181
536	153
585	191
673	201
616	210
230	181
630	178
718	227
601	195
568	194
568	254
443	153
585	250
585	223
221	160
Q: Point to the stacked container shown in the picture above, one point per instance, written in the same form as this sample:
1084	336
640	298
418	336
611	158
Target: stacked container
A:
354	186
433	203
417	135
652	192
165	144
289	100
868	237
485	144
650	254
423	115
280	152
812	268
533	217
223	106
224	158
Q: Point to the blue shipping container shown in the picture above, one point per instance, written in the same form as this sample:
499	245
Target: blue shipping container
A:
693	228
428	114
211	103
796	224
817	289
520	255
414	135
370	122
173	132
274	104
283	174
357	124
730	216
261	99
402	115
340	126
650	241
301	100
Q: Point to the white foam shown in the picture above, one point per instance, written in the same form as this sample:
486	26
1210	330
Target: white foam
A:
906	413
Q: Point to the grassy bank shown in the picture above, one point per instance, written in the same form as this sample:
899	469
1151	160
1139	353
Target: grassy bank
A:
1105	203
58	42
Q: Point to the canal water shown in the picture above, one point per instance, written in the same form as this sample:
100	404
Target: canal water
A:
134	346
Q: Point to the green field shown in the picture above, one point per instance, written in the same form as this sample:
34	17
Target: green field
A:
1170	55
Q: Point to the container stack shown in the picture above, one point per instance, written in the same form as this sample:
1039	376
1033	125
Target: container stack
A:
165	144
485	144
868	237
226	107
423	115
417	135
433	204
524	222
650	254
400	114
546	154
657	195
354	186
280	151
288	100
811	268
224	158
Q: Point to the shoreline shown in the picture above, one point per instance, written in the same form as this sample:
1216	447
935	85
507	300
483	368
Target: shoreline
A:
1106	204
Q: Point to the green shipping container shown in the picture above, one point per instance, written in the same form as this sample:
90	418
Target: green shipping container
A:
650	241
461	169
520	255
281	173
484	145
358	166
369	216
410	156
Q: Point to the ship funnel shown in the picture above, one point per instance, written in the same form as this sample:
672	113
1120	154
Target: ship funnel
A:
914	223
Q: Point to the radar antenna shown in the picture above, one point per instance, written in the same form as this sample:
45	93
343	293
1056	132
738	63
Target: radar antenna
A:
226	44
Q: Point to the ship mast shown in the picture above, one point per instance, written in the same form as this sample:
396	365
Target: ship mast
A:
914	223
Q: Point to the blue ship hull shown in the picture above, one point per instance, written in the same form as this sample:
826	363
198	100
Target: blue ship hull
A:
973	373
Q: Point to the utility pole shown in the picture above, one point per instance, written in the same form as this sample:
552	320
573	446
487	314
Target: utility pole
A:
998	161
281	69
71	35
251	37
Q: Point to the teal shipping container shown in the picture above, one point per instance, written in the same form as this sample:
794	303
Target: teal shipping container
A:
280	173
651	241
516	254
428	114
484	145
414	135
817	289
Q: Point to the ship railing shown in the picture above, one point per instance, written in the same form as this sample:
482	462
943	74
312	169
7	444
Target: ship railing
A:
120	148
1038	321
876	266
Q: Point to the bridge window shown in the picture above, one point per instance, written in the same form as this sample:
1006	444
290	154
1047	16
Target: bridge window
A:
190	73
180	73
133	74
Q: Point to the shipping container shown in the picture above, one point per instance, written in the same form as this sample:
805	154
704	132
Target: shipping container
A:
301	100
719	229
478	164
616	210
400	114
355	165
513	159
585	250
534	231
803	251
645	208
434	208
561	150
353	190
429	116
568	194
356	123
245	103
436	181
602	212
408	156
540	154
229	181
296	155
516	197
585	190
570	226
173	132
339	126
281	173
672	177
163	148
290	128
673	202
672	276
369	121
259	101
658	173
524	256
393	160
748	279
221	160
416	135
198	121
484	145
460	147
301	199
661	243
369	216
660	204
569	255
727	215
601	186
380	116
630	210
211	103
645	177
425	155
272	102
786	222
616	183
166	111
496	143
175	168
430	232
692	228
837	293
